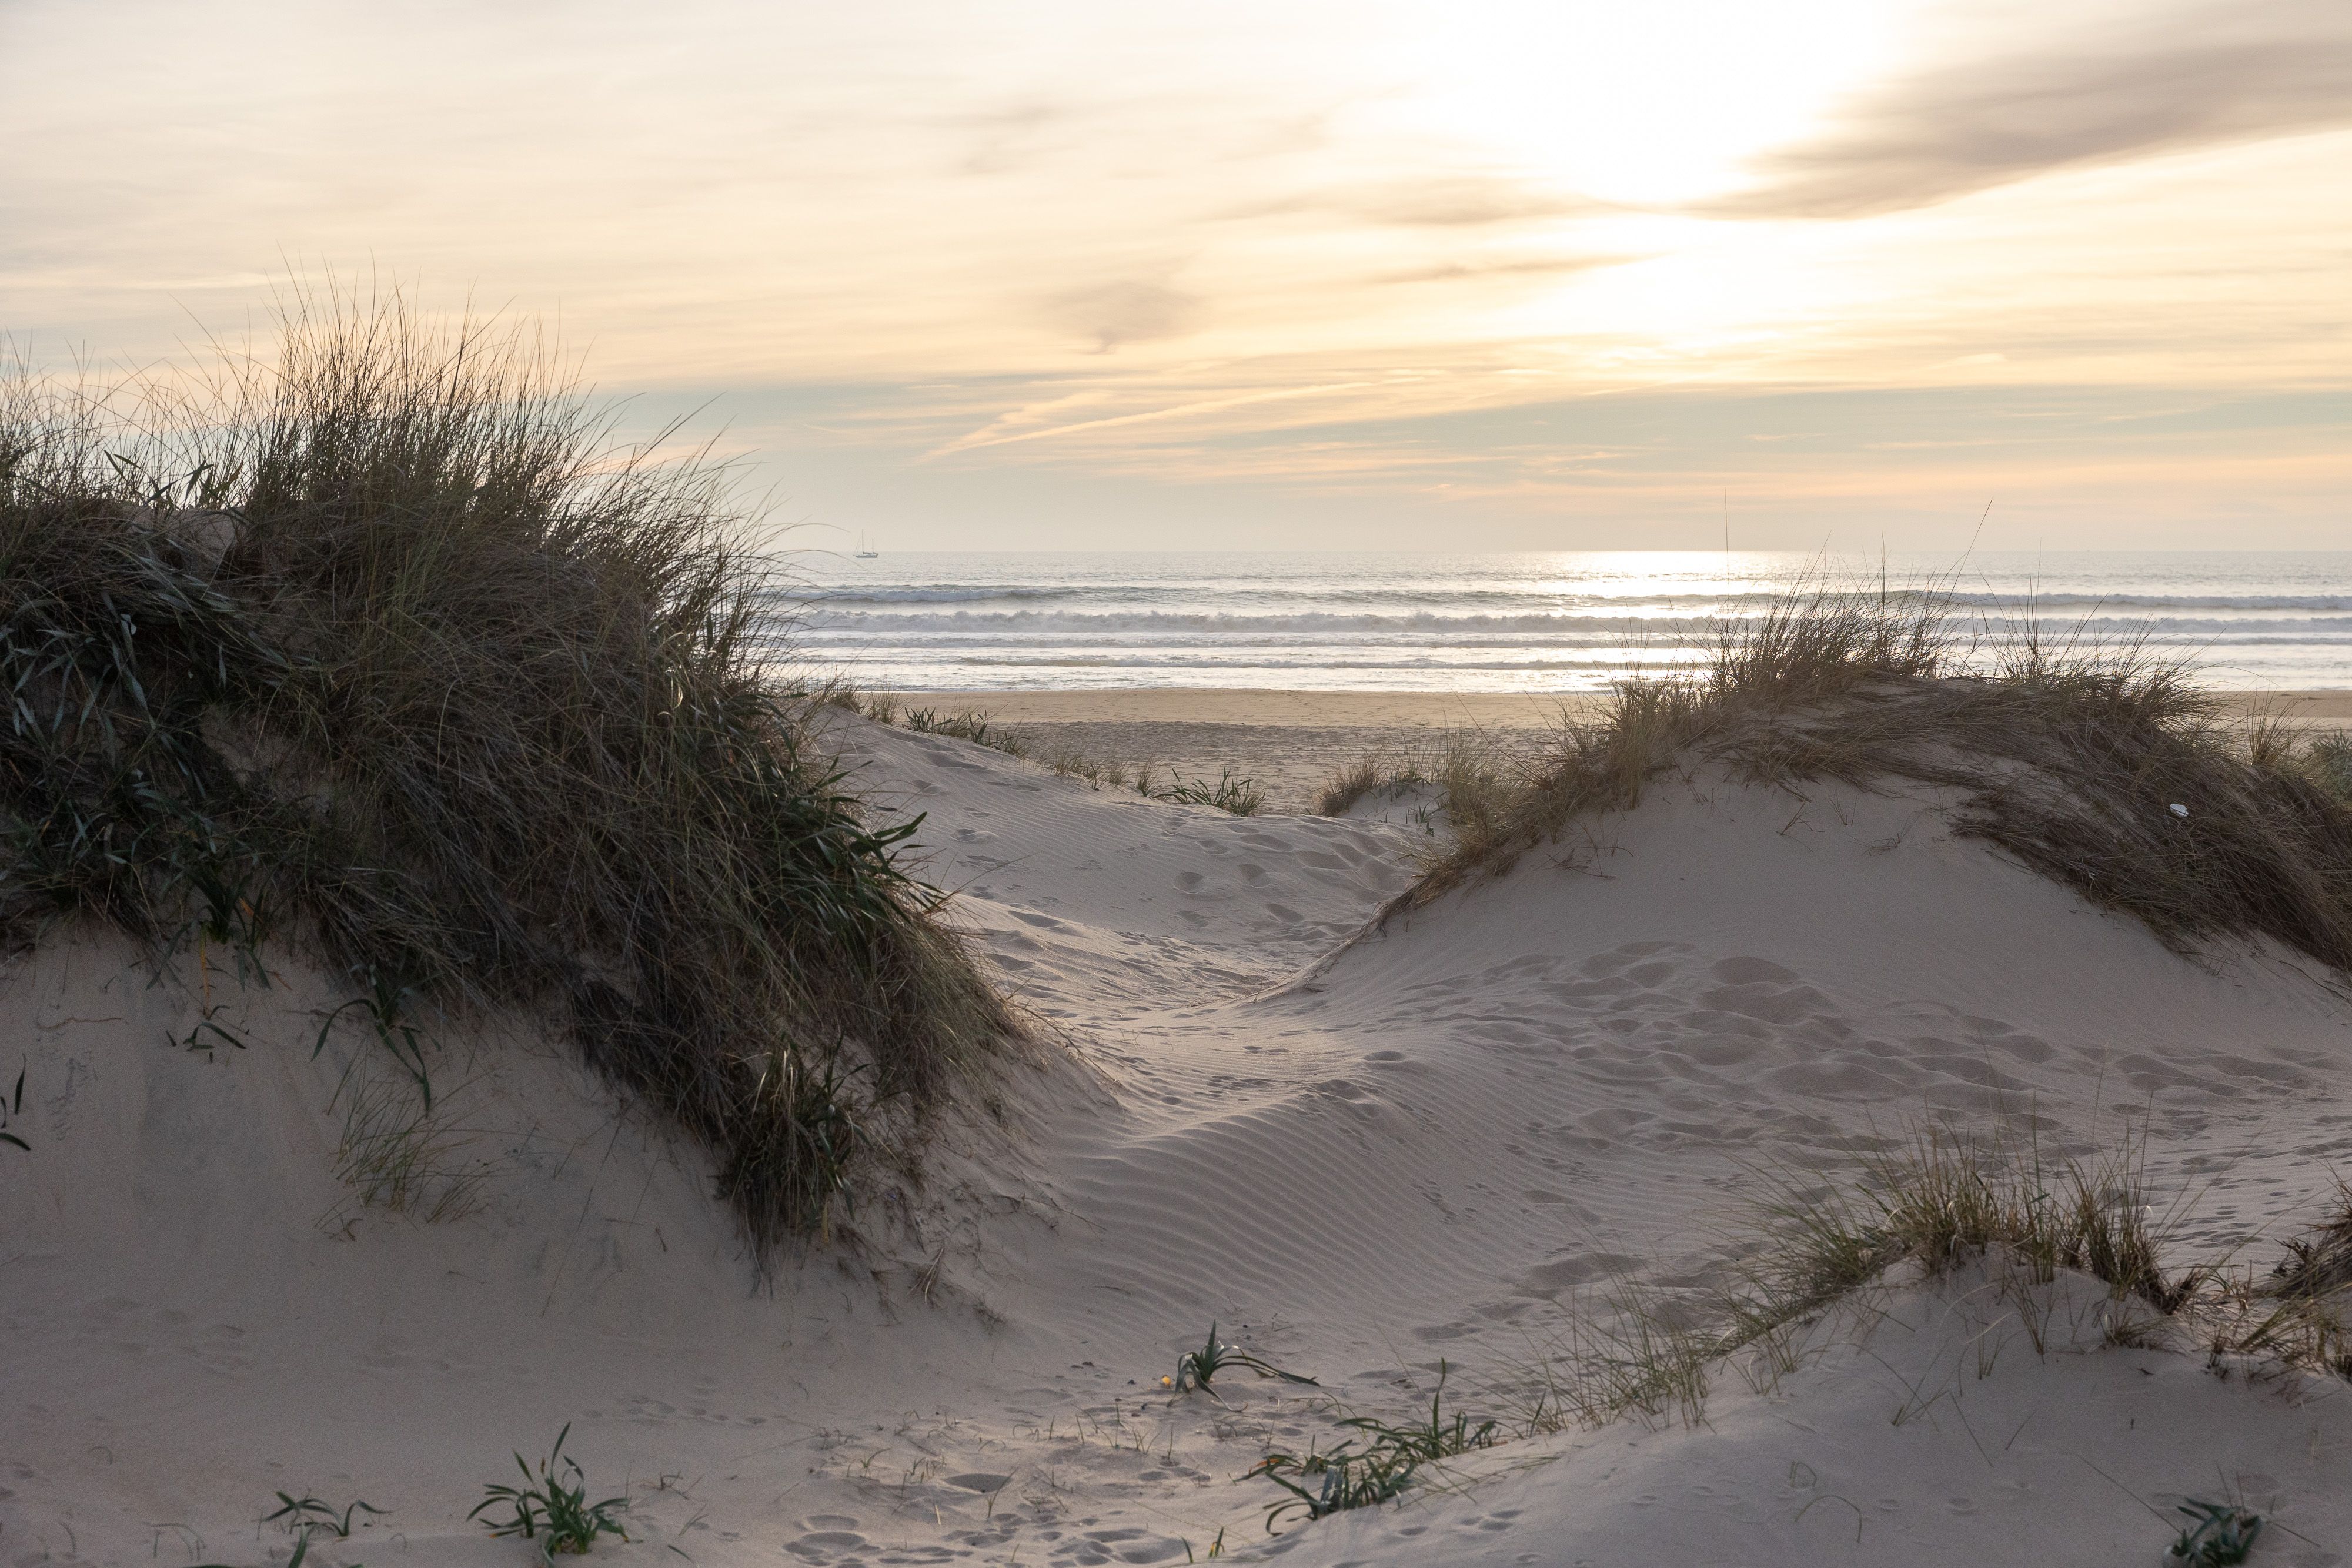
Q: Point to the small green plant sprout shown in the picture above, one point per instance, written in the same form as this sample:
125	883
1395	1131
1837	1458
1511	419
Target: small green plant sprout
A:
302	1551
2221	1533
1348	1477
221	1035
1216	1548
1439	1439
385	1004
1199	1368
972	725
310	1515
1238	796
552	1506
236	908
12	1111
1342	1478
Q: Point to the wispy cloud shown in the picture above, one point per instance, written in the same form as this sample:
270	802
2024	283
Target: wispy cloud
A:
1538	266
1462	201
1002	433
2156	84
1124	311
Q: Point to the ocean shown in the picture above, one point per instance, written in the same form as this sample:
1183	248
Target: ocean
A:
1537	622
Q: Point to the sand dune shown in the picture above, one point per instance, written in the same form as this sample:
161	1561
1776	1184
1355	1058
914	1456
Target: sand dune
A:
1359	1152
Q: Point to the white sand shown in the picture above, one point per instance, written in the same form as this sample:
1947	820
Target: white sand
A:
1423	1145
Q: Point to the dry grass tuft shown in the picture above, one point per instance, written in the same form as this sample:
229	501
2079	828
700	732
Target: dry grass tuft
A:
1071	762
1938	1202
2297	1314
972	725
1359	779
1922	1209
395	1156
1472	780
1943	1199
2320	1262
1227	793
388	646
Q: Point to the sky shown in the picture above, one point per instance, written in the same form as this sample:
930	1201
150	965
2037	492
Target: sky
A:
1282	274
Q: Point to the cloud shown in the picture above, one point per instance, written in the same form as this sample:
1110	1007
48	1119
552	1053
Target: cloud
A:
1126	310
2211	75
1013	137
1461	202
998	432
1538	266
1436	201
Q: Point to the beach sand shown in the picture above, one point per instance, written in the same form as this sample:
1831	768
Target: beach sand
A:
1389	1157
1287	743
1291	742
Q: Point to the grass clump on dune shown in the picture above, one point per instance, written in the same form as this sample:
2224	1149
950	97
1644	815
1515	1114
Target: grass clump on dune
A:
1944	1199
1830	1255
552	1506
389	649
970	725
2104	769
1228	792
1375	1464
1920	1209
1363	777
1469	782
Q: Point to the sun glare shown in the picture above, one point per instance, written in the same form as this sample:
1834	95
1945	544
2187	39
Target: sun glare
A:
1642	105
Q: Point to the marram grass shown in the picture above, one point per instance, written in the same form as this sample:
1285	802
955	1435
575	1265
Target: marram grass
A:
2106	769
385	647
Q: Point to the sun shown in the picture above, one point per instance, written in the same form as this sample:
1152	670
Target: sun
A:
1645	105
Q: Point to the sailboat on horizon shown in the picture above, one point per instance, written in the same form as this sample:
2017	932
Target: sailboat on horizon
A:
863	553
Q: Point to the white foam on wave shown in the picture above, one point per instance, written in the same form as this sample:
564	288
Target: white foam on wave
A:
1568	622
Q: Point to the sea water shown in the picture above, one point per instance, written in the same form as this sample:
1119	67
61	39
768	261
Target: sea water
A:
1540	622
